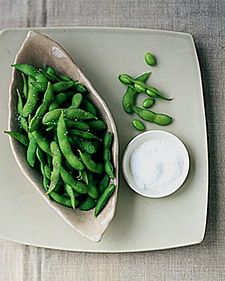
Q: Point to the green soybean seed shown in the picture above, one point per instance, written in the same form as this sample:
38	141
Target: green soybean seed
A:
76	100
140	86
76	185
31	150
61	199
62	86
88	204
150	59
20	137
150	116
97	125
56	165
59	99
90	164
65	145
93	191
125	79
104	198
83	134
32	99
138	125
42	109
147	103
131	93
70	192
42	142
103	183
155	93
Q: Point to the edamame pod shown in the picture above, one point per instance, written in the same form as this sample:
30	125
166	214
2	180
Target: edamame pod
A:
42	109
104	198
20	137
76	185
31	150
65	145
150	116
56	164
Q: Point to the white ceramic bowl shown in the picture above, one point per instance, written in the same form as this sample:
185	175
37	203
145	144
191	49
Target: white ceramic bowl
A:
162	136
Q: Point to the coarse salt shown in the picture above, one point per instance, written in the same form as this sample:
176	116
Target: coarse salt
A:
157	166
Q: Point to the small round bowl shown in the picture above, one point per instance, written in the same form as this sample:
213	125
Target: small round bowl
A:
164	137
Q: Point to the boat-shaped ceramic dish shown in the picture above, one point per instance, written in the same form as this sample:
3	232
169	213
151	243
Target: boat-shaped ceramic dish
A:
39	50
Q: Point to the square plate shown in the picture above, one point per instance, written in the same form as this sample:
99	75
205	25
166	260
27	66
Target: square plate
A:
140	224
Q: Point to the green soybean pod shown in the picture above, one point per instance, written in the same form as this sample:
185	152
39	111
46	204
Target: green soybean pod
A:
64	78
97	125
42	142
83	176
83	134
59	99
109	169
138	125
107	141
93	191
27	69
20	137
90	164
103	183
90	107
61	199
80	125
150	59
31	150
104	198
130	94
25	85
40	157
22	120
76	100
70	192
85	145
88	204
79	87
32	99
150	116
147	103
76	185
65	145
62	86
56	164
42	109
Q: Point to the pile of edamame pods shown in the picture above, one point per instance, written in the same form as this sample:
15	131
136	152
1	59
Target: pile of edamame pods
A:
65	138
138	85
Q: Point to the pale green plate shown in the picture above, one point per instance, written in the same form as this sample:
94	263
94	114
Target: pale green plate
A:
140	224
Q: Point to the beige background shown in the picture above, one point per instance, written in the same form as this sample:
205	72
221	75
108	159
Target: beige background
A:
206	21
